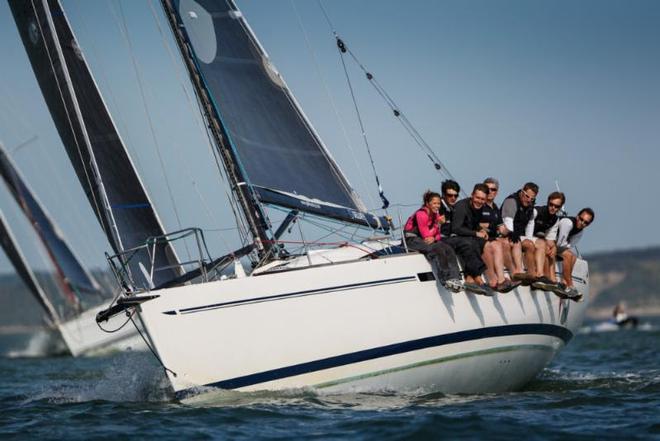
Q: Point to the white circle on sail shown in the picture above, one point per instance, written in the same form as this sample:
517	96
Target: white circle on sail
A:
199	25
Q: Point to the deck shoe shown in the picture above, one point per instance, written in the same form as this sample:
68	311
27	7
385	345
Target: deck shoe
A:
507	286
490	292
454	285
525	278
573	294
544	283
560	290
483	290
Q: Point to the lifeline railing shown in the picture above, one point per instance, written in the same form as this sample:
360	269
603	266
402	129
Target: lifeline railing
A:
125	264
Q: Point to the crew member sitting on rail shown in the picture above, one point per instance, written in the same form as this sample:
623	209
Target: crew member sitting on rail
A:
422	233
567	232
468	239
541	260
517	211
495	249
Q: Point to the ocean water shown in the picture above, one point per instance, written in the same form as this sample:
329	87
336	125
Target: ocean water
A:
604	385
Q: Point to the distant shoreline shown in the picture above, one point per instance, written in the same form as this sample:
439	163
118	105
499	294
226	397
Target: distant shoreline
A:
604	313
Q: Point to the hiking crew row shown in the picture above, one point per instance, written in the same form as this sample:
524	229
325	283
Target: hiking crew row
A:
489	240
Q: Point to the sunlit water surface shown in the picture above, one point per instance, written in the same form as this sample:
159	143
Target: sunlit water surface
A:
604	385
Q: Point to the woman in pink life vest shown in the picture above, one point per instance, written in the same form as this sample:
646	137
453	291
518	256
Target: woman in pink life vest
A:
422	233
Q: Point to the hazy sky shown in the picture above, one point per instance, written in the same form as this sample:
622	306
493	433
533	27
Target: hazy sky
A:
548	91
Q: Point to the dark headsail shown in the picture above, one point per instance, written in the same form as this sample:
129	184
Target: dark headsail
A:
92	142
277	151
72	275
17	259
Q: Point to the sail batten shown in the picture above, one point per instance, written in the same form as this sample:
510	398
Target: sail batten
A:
92	142
278	151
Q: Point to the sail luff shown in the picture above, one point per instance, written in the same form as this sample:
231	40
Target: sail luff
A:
255	217
15	255
95	149
105	212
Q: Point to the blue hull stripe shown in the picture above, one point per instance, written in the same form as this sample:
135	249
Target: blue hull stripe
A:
294	294
385	351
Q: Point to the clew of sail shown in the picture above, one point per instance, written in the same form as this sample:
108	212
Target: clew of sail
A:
72	275
277	149
90	137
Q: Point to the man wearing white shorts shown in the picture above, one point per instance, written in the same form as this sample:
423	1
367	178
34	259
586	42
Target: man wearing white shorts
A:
566	234
539	253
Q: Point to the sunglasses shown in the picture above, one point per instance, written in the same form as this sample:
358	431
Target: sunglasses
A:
527	196
551	205
584	221
492	188
451	195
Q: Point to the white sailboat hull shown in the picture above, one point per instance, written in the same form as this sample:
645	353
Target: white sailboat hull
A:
84	337
356	326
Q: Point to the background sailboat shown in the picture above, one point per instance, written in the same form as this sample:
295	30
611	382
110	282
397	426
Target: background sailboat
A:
30	341
82	295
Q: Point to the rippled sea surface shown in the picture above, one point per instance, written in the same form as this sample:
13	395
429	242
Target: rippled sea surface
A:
604	385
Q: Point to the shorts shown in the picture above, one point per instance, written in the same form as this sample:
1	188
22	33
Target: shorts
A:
560	251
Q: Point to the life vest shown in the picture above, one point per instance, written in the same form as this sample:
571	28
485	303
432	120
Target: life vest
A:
493	217
448	213
574	230
543	221
523	214
411	224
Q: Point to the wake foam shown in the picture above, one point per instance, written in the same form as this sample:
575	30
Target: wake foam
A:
127	377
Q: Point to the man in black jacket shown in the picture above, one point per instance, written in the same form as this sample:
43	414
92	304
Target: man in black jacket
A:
468	239
450	192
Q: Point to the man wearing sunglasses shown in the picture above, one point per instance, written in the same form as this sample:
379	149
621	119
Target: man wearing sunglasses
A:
497	252
539	252
517	211
567	232
450	191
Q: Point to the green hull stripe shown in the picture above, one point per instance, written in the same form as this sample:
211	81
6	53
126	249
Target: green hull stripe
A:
434	361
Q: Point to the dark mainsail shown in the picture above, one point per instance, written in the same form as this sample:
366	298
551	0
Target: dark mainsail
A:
278	153
92	142
8	243
72	274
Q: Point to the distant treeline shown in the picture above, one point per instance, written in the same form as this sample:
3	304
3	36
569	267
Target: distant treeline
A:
632	276
19	307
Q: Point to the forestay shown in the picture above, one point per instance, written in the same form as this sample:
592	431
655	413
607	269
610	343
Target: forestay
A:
279	154
92	142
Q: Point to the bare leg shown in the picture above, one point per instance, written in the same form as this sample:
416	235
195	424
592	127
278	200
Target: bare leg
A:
488	257
569	263
539	256
505	246
498	261
516	255
528	250
550	262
